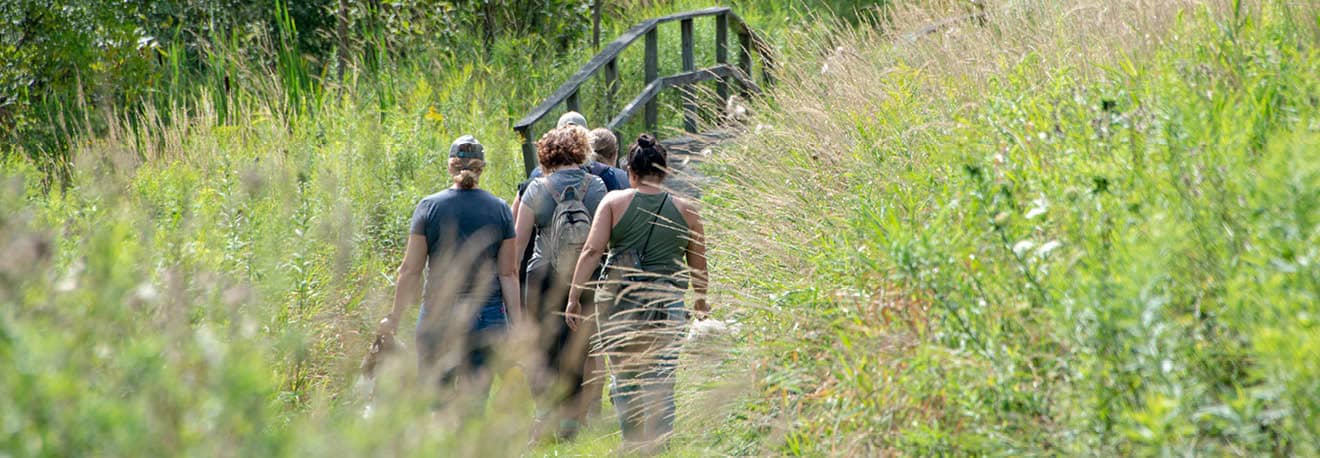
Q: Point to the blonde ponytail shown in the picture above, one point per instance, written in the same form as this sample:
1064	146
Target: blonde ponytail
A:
466	172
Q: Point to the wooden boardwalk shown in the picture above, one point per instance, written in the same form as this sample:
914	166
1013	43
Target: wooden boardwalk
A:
726	74
686	154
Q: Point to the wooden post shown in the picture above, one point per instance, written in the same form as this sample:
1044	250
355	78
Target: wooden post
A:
611	86
572	101
341	32
528	150
722	53
595	25
652	72
745	56
689	64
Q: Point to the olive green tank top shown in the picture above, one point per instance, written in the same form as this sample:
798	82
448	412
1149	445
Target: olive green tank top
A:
663	254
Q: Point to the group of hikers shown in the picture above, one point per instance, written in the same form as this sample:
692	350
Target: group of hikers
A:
483	269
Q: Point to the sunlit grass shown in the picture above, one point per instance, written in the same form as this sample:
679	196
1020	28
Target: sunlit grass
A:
201	274
1076	228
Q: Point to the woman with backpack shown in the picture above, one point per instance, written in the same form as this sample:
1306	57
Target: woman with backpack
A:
557	208
656	247
461	242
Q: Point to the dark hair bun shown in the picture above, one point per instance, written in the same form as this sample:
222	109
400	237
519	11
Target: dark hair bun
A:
648	159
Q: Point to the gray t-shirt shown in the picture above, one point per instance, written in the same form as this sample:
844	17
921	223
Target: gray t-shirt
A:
463	229
540	197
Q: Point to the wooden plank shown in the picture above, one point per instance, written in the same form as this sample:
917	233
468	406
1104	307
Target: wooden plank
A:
689	58
745	55
682	79
689	64
758	44
611	84
722	52
705	74
595	25
648	93
609	53
693	14
528	149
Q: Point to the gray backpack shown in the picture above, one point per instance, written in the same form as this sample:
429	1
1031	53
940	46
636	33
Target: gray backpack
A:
563	240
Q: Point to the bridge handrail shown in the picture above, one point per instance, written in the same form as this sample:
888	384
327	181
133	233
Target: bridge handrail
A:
659	84
567	93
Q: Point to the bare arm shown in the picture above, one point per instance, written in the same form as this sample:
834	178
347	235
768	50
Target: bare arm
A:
508	264
523	219
588	261
408	286
696	258
517	203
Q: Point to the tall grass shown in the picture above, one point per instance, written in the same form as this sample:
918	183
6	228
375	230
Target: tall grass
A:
205	272
1071	228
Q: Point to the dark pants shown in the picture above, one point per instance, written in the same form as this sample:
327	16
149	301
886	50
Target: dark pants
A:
564	351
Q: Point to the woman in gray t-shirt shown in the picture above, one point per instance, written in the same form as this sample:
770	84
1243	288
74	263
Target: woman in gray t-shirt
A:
460	262
561	153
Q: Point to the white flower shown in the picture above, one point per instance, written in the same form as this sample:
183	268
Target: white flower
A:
1022	247
1038	208
1049	246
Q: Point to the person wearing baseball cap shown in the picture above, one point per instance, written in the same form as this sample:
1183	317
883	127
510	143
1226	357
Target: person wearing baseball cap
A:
462	239
572	118
613	177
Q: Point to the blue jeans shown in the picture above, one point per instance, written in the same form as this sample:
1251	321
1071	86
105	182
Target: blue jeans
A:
488	326
642	383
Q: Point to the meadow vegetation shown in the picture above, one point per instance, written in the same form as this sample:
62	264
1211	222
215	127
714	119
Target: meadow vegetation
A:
204	204
1063	228
1071	228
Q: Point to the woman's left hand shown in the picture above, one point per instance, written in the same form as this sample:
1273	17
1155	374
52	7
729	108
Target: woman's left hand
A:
572	313
702	309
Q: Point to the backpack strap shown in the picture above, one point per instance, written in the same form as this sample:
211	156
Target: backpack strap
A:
655	217
550	189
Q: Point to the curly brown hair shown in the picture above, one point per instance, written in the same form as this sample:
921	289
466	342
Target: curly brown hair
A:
563	146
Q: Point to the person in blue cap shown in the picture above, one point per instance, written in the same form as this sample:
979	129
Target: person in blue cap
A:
461	242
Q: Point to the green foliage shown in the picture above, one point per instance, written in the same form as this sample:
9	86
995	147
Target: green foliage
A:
73	68
199	243
1057	260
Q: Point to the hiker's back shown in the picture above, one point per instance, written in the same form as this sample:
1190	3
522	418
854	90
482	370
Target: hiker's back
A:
554	201
614	178
659	237
463	227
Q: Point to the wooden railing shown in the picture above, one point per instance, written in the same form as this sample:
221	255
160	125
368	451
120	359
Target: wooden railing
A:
606	62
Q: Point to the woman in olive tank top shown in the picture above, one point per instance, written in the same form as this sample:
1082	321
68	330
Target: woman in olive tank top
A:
656	248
